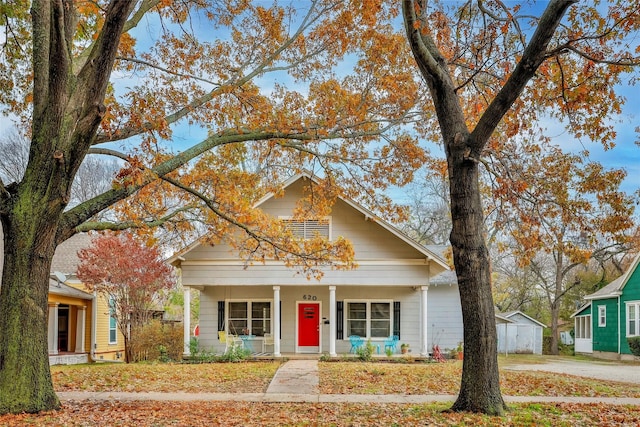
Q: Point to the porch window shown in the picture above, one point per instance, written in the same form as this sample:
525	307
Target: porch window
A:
583	327
308	228
369	319
602	316
113	326
249	317
633	314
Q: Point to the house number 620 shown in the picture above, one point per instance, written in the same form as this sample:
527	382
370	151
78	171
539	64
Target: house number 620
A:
309	297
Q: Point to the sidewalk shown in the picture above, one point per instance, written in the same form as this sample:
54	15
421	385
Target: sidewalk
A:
297	381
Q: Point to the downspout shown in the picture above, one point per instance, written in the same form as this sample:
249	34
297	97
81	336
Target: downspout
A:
619	326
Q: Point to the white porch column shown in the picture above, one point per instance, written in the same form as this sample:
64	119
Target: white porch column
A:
332	321
425	320
81	323
53	328
186	321
276	321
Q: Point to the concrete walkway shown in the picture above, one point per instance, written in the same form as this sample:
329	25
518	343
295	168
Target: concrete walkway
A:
297	381
295	376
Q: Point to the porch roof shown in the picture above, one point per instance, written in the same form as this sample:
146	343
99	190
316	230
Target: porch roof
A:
59	288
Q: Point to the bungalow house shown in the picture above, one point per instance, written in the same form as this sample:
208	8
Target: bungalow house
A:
390	292
80	328
609	317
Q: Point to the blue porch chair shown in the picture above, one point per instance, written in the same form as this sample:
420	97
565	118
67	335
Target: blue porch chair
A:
392	343
356	342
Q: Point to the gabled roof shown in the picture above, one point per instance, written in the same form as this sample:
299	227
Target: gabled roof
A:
581	309
513	313
429	254
65	259
501	319
614	289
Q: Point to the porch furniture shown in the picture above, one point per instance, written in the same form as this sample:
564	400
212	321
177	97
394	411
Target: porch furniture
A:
356	342
233	341
392	343
247	341
267	341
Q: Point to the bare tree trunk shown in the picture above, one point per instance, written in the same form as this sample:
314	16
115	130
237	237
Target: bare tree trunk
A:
555	315
480	386
25	377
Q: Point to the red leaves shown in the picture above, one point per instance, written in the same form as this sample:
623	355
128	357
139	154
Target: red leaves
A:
115	261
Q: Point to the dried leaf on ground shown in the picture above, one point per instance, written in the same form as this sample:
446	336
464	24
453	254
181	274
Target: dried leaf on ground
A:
196	414
249	377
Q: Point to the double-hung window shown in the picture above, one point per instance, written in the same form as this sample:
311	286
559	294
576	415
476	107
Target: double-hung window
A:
633	318
369	319
249	317
602	316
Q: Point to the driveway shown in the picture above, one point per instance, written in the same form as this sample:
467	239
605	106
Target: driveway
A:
604	370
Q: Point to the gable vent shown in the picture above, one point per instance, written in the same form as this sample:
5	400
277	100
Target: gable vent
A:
308	228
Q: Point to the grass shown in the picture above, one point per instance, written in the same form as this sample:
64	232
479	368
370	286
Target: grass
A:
149	413
335	377
242	377
444	378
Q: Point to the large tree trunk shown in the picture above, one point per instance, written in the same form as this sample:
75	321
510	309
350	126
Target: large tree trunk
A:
25	377
480	386
67	110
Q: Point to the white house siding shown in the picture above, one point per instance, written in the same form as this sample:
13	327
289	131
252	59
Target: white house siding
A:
390	267
444	314
203	274
370	240
444	317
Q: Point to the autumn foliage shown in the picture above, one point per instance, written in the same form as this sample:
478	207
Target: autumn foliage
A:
133	277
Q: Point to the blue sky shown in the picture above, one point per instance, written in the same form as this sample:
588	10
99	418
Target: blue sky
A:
625	154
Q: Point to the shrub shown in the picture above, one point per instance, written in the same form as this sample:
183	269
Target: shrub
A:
365	352
634	345
157	341
235	353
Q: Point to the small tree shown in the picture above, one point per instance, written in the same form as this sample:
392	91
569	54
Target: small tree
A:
132	276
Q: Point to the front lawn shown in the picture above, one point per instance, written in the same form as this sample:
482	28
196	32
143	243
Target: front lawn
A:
444	378
243	377
335	377
249	414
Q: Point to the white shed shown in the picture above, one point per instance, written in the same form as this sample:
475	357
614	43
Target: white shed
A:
519	333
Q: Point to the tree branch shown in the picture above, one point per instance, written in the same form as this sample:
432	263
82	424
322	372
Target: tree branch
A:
118	226
534	54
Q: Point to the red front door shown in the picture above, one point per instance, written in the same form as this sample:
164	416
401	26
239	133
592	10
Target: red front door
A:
308	324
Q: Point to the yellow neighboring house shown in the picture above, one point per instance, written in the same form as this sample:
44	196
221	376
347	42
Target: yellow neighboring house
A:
80	328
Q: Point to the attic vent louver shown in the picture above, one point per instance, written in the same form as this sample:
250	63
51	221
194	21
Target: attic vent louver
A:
308	228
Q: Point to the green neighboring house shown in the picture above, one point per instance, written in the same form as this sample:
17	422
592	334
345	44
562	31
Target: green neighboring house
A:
610	315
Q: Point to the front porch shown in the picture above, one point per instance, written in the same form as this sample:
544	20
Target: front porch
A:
65	358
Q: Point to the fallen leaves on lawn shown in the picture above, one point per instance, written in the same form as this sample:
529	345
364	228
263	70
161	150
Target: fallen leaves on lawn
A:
145	413
444	378
249	377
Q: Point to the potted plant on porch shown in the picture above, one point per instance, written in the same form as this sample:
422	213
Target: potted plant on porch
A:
404	348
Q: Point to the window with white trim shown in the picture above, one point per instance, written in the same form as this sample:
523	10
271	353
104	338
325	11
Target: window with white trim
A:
633	318
368	319
249	317
602	316
113	324
583	327
308	228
